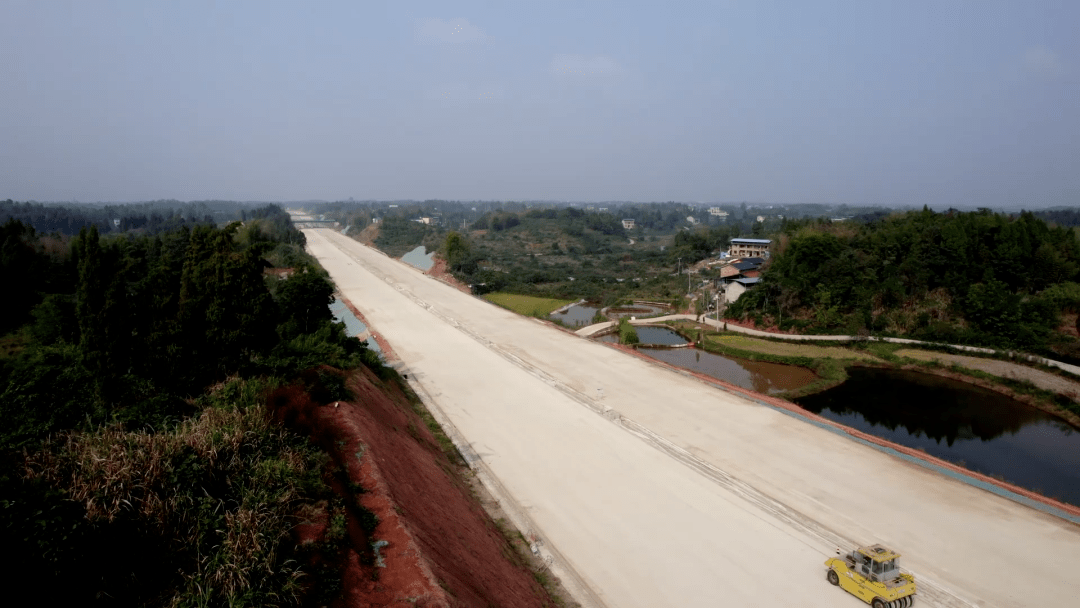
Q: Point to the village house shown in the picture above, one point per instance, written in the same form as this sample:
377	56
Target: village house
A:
738	287
628	224
739	275
742	248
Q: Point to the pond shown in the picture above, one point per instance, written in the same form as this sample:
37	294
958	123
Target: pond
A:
965	424
638	310
650	335
759	376
420	258
659	335
353	326
578	315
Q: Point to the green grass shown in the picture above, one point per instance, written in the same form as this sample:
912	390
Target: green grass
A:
789	349
531	306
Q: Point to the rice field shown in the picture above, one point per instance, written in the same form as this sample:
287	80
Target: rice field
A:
531	306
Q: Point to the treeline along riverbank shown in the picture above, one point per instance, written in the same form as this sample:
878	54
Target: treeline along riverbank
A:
955	277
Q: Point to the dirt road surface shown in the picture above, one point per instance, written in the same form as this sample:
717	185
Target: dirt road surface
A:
657	489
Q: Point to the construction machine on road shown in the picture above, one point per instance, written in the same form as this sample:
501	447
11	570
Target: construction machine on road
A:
873	575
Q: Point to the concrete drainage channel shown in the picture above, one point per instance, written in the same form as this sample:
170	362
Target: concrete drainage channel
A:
929	591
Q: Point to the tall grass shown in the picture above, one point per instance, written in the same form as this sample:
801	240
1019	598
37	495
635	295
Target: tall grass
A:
217	494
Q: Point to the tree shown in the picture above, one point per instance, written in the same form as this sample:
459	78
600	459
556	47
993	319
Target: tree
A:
303	300
458	253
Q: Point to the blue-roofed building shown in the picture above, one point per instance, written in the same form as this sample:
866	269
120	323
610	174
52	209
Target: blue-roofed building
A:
747	248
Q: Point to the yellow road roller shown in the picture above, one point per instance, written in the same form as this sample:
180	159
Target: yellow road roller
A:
873	575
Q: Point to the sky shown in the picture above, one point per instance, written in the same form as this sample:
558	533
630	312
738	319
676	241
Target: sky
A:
959	103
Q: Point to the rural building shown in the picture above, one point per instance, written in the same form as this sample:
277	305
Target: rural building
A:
738	287
748	269
742	248
628	224
718	212
744	268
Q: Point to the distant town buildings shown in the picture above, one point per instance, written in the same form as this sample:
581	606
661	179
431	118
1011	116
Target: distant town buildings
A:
744	248
628	224
716	211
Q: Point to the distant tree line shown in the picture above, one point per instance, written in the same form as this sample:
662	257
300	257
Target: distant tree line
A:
966	277
148	218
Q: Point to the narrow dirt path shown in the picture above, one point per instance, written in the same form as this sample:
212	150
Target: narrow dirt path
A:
1004	369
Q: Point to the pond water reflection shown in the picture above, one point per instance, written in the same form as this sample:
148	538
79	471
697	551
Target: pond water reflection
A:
660	335
760	376
959	422
578	315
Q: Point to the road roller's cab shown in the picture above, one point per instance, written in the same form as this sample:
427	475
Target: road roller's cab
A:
873	575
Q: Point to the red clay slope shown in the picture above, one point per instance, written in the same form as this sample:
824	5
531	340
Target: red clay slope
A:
443	548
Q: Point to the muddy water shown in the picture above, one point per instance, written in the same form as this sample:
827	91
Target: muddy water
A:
760	376
638	310
971	426
578	315
767	378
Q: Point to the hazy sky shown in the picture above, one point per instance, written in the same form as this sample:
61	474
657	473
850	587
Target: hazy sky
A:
945	102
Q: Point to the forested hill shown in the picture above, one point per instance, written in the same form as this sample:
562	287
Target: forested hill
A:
150	217
137	463
974	277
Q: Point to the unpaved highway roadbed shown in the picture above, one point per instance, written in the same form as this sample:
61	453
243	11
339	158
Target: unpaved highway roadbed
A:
661	490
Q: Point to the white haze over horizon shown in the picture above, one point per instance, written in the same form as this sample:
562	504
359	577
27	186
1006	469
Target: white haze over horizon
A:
958	104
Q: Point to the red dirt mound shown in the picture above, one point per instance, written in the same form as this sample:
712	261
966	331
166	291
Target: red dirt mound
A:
441	271
442	549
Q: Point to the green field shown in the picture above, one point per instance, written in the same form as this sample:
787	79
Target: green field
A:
788	350
526	305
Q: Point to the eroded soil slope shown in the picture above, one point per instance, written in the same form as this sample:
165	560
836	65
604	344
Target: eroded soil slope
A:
436	544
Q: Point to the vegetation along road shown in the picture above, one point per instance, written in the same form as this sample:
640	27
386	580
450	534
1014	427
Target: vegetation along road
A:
648	487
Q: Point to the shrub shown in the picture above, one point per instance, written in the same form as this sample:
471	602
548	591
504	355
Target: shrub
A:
627	333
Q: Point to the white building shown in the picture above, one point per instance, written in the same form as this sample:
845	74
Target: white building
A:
750	248
628	224
718	212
